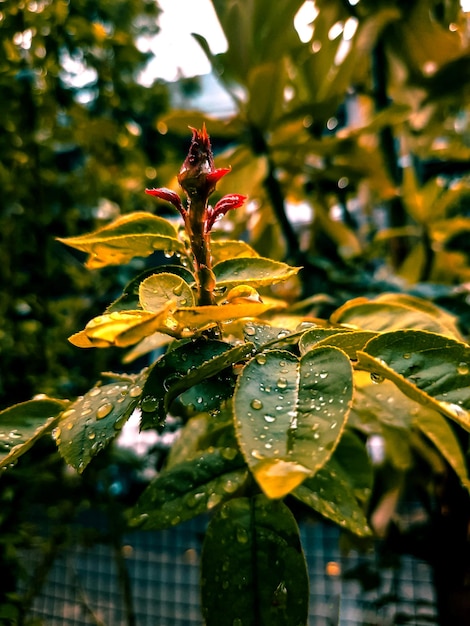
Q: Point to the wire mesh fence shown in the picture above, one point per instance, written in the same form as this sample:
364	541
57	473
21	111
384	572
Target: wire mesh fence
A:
83	586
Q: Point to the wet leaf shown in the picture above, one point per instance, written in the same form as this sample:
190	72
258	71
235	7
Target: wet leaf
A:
290	414
333	490
181	368
95	419
21	425
190	488
228	249
253	567
349	343
136	234
429	368
254	272
156	291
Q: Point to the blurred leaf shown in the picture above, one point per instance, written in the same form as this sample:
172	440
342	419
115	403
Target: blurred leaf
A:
21	425
253	567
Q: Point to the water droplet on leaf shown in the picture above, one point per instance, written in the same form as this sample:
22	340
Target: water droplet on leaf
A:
104	410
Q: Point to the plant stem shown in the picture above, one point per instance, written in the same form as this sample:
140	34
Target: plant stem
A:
200	246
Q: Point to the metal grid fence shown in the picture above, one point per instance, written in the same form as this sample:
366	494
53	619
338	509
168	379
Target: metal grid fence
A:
164	571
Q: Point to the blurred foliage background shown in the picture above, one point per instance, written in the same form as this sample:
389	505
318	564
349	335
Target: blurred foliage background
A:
78	145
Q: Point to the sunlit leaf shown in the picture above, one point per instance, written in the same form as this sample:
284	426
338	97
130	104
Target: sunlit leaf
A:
95	419
223	250
253	567
380	315
429	368
122	328
21	425
156	291
136	234
290	414
190	488
255	272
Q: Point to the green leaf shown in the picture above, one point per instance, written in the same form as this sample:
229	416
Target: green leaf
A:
157	290
332	492
255	272
190	488
21	425
253	568
429	368
136	234
95	419
181	368
290	414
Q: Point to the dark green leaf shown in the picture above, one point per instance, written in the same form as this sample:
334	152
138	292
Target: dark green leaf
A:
181	368
190	488
253	567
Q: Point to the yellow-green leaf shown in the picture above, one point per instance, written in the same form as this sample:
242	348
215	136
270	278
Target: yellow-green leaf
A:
223	250
382	316
255	272
158	290
136	234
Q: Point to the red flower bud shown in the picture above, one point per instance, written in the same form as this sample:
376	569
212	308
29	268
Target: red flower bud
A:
198	176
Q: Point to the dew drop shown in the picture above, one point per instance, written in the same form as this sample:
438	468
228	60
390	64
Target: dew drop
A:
261	359
376	378
463	368
282	383
91	436
135	391
250	331
94	392
149	404
407	355
104	410
256	404
168	254
269	418
323	374
178	290
56	434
